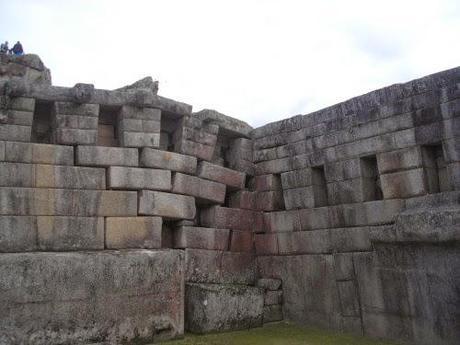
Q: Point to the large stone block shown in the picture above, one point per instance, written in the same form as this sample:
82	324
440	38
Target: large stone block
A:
22	103
273	313
281	221
219	267
215	308
201	238
51	176
18	234
269	201
299	198
15	133
68	298
408	158
106	156
205	191
171	206
168	160
66	202
138	125
232	218
351	239
140	113
404	184
139	178
266	244
2	150
271	284
231	178
273	297
69	108
133	232
243	199
38	153
70	233
305	242
139	139
188	147
267	182
241	241
72	136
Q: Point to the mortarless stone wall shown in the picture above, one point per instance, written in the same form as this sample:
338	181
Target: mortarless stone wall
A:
124	216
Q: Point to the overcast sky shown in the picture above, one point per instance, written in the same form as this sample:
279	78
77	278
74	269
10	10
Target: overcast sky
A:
259	61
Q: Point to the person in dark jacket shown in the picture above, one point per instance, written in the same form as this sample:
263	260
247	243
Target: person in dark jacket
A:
4	48
17	49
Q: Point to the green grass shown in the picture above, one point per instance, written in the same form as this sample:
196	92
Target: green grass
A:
278	334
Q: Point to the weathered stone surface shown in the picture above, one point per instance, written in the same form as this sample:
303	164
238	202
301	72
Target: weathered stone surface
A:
227	123
409	158
18	234
241	241
106	296
168	160
38	153
351	239
15	132
231	178
305	242
299	198
403	184
267	182
73	136
171	206
215	308
270	284
66	202
243	199
2	151
70	108
140	113
205	191
51	176
282	221
201	238
188	147
133	232
219	267
106	156
69	233
139	139
232	218
273	313
139	178
273	297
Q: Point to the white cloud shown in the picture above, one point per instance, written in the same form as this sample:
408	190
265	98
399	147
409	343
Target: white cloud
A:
259	61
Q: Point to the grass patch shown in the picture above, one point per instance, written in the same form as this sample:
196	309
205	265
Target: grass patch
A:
278	334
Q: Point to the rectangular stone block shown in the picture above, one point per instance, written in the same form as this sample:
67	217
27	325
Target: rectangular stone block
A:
171	206
139	178
349	301
451	149
106	156
267	182
72	136
241	241
168	160
69	108
70	233
270	284
269	201
343	266
201	238
273	297
217	308
22	103
403	184
133	232
139	139
77	122
351	239
282	221
232	218
380	212
231	178
54	176
66	202
18	234
188	147
351	191
305	242
15	133
22	118
343	170
38	153
298	178
299	198
219	267
197	135
205	191
243	199
2	150
408	158
135	290
273	313
138	125
133	112
266	244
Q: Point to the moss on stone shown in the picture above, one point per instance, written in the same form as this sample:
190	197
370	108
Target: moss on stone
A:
278	334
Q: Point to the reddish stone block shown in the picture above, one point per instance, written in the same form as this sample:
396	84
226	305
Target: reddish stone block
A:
241	241
200	238
266	244
243	199
269	201
267	182
232	218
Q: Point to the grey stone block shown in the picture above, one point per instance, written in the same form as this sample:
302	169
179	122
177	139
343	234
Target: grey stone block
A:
168	160
343	266
451	149
18	234
140	113
22	118
273	297
171	206
2	150
76	122
231	178
266	244
23	104
205	191
106	156
305	242
38	153
403	184
138	178
70	233
232	218
139	139
299	198
273	313
70	136
219	267
408	158
281	221
201	238
188	147
15	133
349	302
138	125
133	232
69	108
351	239
66	202
241	241
214	308
267	182
33	310
269	201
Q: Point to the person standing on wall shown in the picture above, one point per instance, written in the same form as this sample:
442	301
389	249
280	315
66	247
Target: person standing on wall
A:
17	49
4	48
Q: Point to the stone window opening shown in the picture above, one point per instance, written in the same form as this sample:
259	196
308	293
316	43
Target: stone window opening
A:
170	123
42	125
319	186
372	187
435	171
107	129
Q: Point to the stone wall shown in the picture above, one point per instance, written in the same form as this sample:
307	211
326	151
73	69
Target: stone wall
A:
127	217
